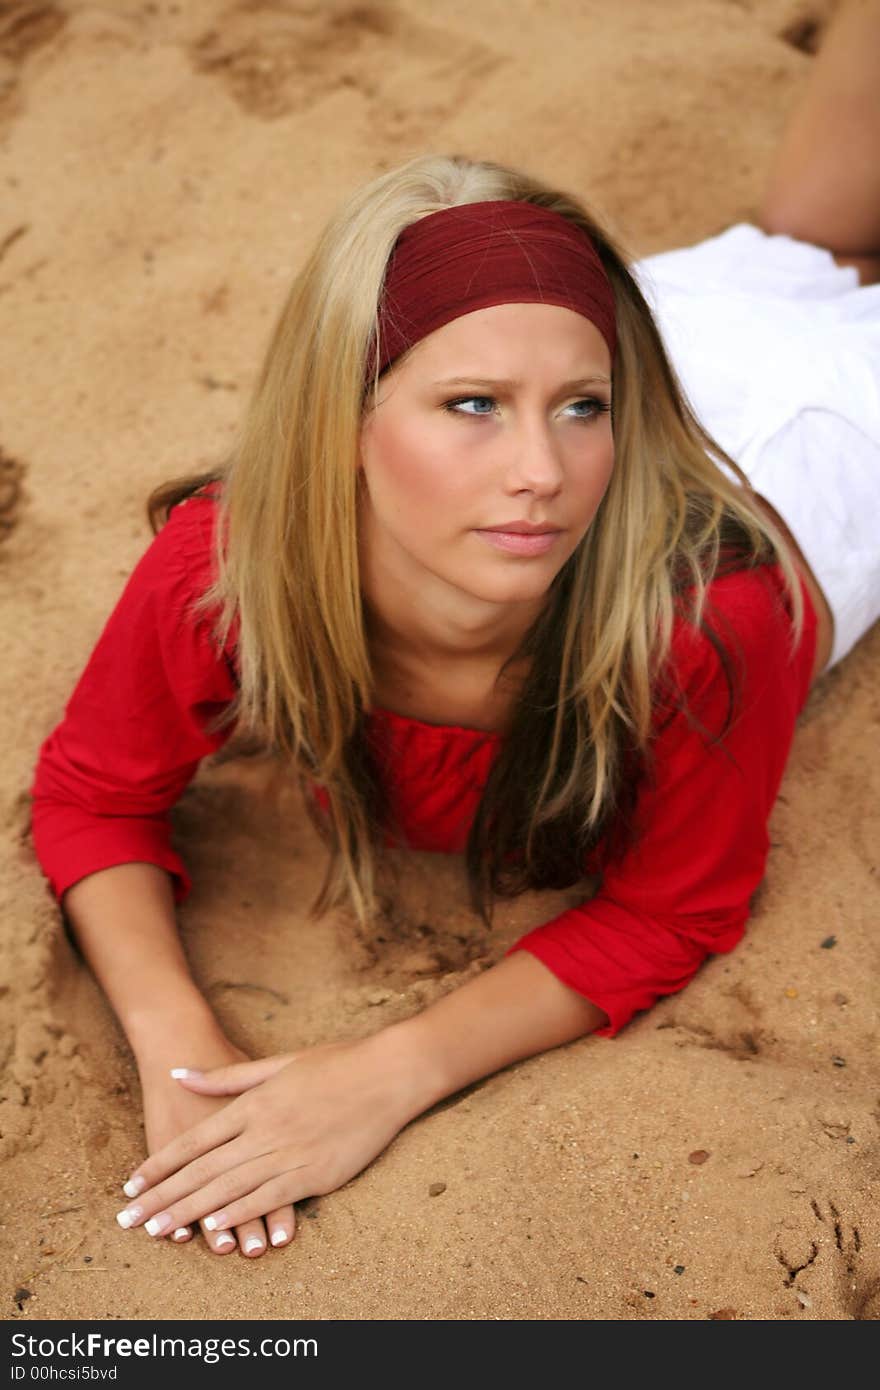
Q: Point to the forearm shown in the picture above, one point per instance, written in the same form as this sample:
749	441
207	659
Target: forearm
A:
513	1010
123	920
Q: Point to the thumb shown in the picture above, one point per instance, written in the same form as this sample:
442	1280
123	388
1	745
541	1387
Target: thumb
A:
230	1080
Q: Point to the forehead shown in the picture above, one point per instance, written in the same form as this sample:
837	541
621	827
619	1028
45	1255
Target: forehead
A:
513	337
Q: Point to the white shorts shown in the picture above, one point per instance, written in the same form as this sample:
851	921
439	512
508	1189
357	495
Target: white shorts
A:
778	351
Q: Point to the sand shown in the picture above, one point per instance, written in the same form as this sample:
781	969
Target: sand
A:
164	168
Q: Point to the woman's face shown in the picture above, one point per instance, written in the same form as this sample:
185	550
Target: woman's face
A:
497	418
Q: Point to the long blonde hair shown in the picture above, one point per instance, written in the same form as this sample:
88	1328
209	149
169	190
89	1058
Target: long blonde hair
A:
287	564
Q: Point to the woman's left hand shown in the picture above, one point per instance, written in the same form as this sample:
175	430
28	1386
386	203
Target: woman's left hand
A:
302	1124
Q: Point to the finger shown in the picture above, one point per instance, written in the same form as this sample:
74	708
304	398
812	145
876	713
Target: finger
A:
230	1080
281	1225
188	1180
220	1242
252	1240
212	1202
220	1128
292	1185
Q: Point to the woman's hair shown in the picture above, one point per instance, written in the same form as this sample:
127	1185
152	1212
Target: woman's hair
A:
287	566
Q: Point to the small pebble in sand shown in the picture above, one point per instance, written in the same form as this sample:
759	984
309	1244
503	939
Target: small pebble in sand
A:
698	1156
724	1315
838	1062
841	999
791	994
804	1299
828	943
379	996
436	1188
679	1269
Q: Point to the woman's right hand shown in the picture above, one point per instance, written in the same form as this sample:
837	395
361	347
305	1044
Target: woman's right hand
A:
169	1109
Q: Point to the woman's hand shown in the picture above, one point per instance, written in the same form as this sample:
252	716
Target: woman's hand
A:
171	1110
301	1125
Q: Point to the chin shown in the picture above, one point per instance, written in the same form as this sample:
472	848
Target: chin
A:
513	589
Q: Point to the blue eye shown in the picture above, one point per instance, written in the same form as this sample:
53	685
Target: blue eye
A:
466	400
597	407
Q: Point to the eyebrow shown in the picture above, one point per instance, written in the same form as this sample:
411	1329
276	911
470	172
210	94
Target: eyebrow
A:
576	383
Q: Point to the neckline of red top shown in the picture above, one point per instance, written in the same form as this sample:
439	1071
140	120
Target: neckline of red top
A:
408	720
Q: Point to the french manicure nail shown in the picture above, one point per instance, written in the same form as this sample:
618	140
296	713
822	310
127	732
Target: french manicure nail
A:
278	1237
134	1187
129	1216
212	1222
157	1224
184	1073
181	1233
223	1240
252	1243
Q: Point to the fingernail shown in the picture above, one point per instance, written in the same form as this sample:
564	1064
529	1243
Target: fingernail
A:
129	1216
134	1186
181	1233
251	1244
212	1222
223	1240
278	1237
184	1073
157	1224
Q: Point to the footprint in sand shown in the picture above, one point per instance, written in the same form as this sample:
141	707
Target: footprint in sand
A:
860	1286
11	474
835	1237
24	27
286	57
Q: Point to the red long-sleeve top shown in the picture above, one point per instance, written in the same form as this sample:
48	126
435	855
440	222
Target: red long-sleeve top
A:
133	734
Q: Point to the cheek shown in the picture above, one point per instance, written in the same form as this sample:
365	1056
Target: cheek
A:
409	475
595	475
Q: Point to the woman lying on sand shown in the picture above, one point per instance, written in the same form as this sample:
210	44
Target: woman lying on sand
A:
476	570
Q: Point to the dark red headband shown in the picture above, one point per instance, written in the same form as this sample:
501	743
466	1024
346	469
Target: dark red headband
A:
498	252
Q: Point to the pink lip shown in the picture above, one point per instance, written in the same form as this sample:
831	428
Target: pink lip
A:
521	543
523	528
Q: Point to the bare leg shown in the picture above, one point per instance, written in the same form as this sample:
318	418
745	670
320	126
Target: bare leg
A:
824	188
825	184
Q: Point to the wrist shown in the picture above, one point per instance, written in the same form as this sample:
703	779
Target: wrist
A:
159	1035
412	1066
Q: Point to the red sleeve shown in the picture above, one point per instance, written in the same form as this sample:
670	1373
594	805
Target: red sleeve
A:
683	890
133	732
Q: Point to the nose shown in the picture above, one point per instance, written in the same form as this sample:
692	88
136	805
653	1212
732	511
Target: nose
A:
534	459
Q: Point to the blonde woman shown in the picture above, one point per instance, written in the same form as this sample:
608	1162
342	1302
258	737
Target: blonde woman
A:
477	572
